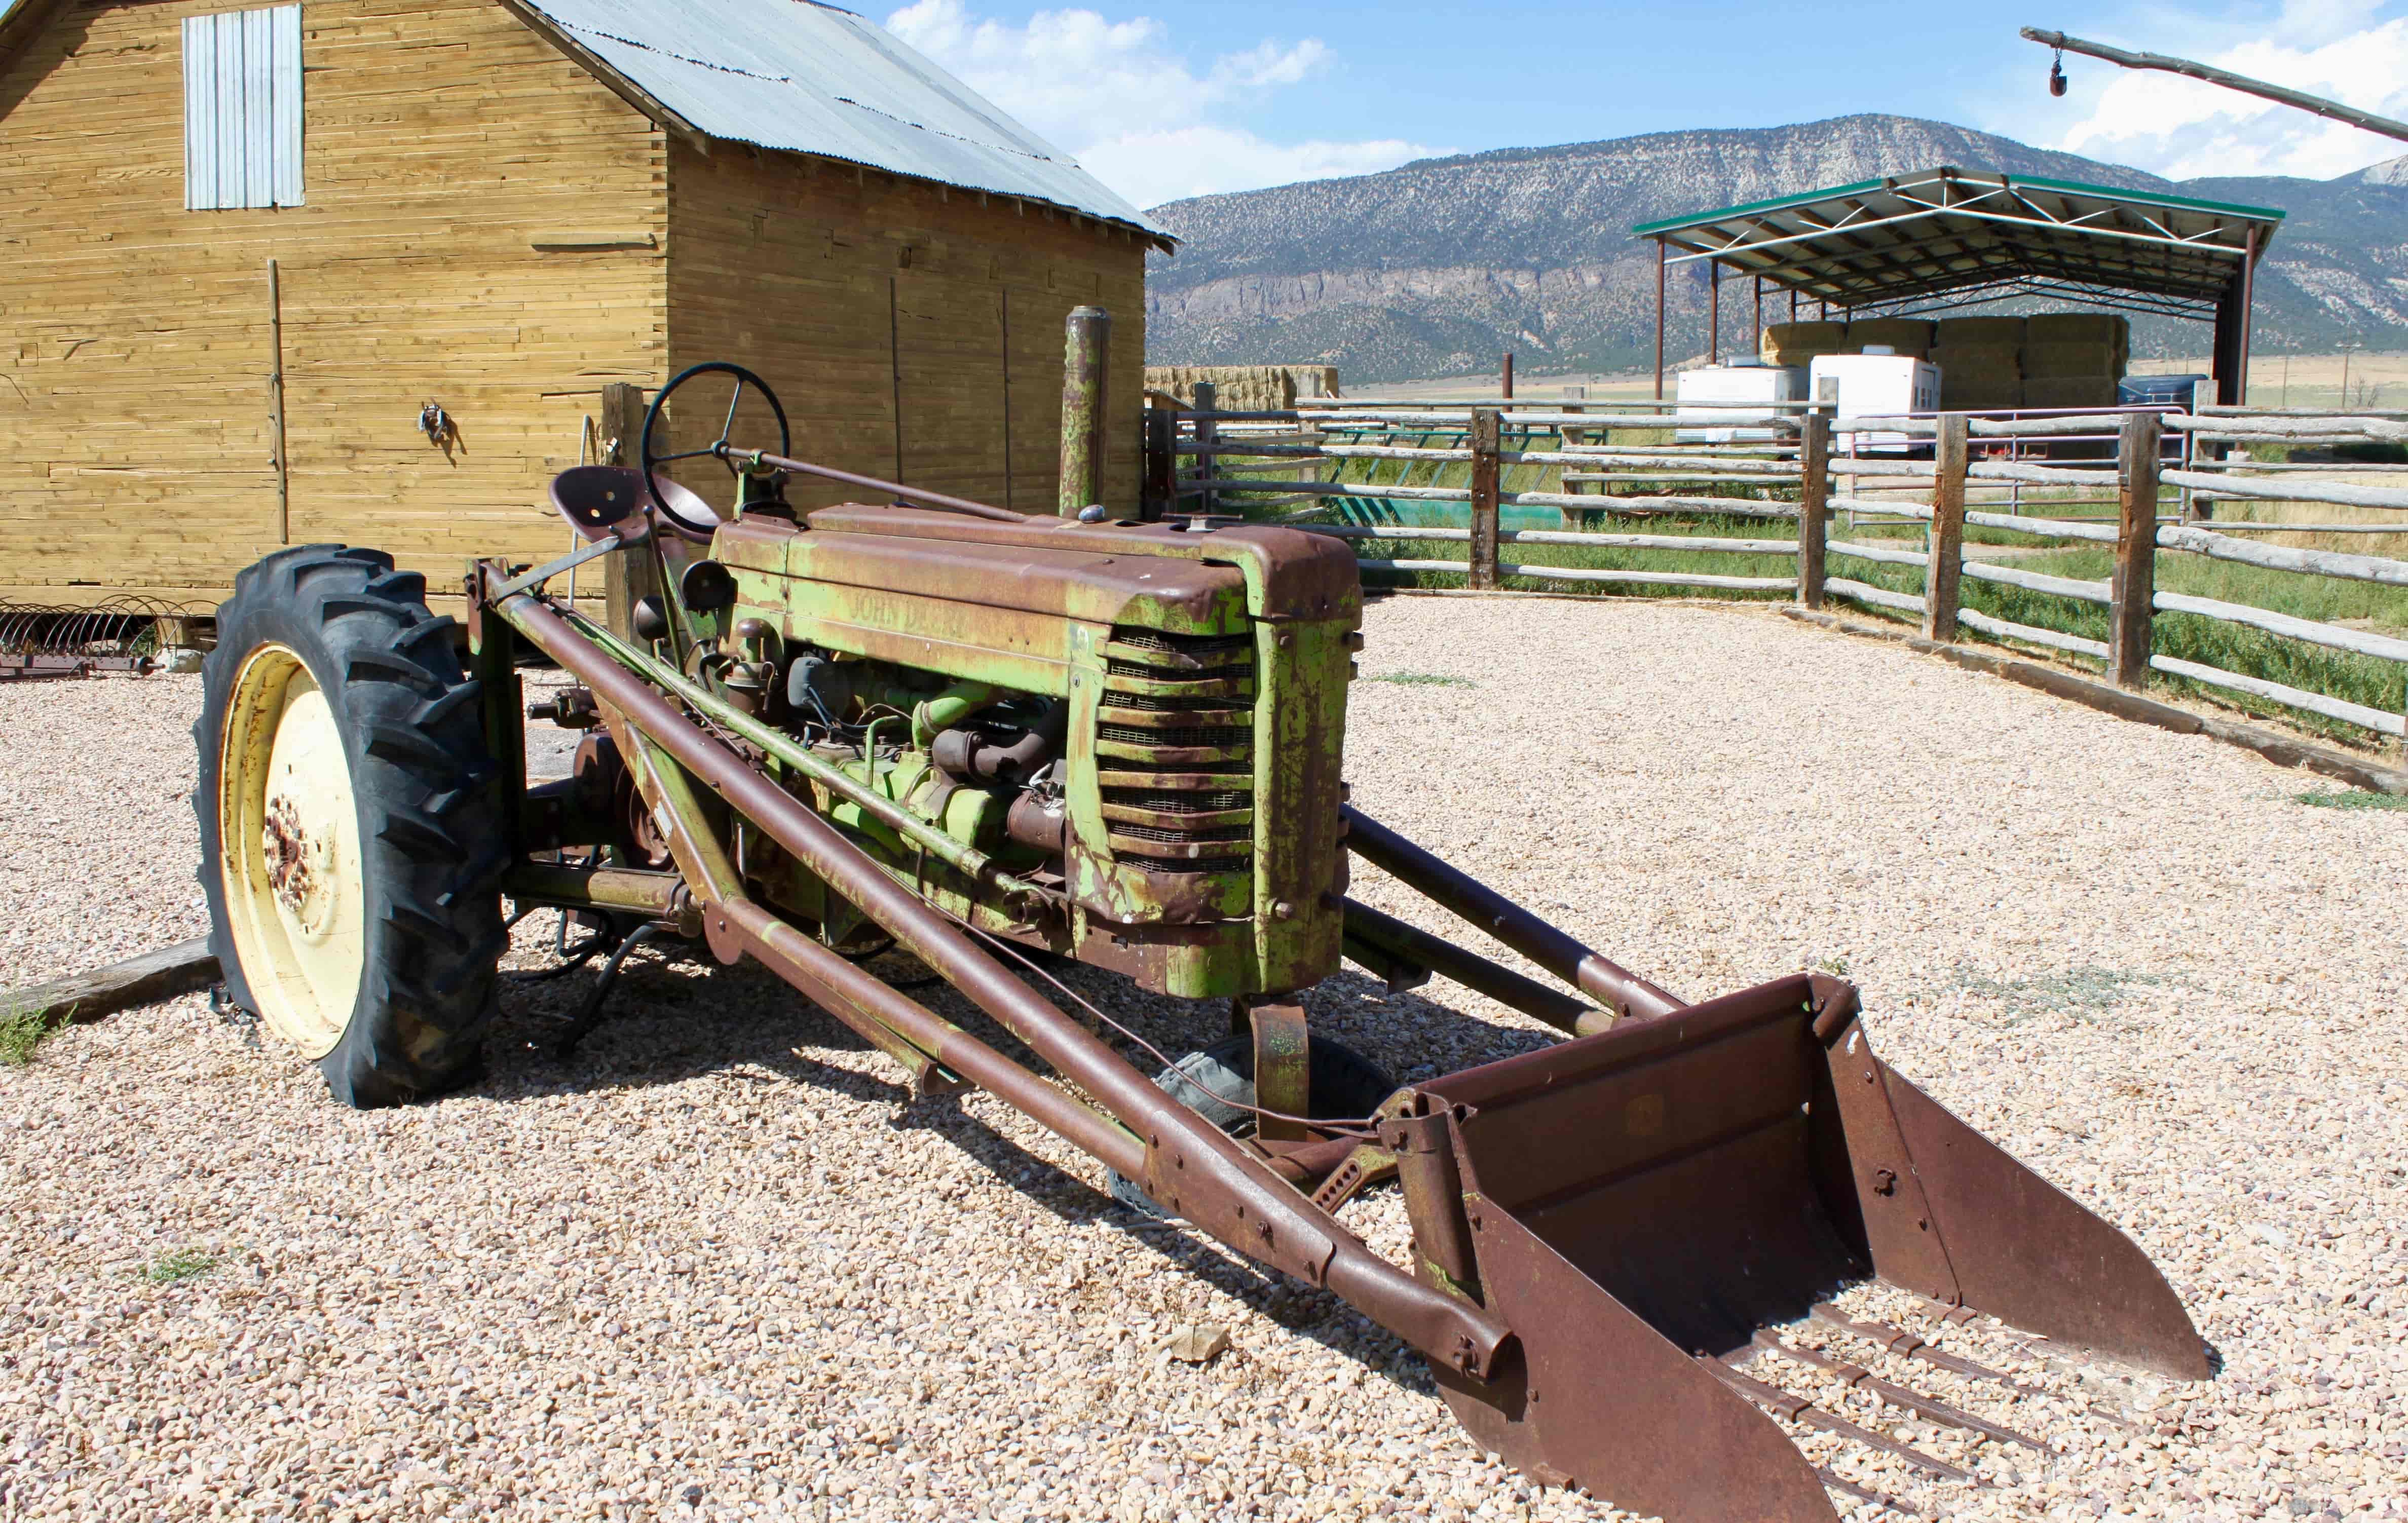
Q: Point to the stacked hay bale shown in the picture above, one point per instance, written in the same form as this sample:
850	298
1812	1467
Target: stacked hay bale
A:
1910	337
1246	387
1798	344
2074	359
1981	363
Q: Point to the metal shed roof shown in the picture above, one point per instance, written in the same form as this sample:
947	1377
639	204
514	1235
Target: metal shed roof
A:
797	75
1938	232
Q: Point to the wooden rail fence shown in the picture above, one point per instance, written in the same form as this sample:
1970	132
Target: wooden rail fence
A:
1808	468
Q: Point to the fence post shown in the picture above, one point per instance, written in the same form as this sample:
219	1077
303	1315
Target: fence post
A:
1939	579
1484	497
629	577
2130	617
1161	487
1208	431
1567	435
1087	332
1814	505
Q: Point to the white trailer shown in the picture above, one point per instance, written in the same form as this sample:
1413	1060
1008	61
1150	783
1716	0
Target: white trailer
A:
1873	385
1748	382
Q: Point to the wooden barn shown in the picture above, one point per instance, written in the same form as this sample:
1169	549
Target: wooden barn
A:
247	247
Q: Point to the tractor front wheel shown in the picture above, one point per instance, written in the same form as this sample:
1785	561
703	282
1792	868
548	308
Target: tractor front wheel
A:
350	827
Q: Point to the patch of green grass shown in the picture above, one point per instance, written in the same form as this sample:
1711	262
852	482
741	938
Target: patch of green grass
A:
23	1030
181	1265
2341	798
2077	991
1422	679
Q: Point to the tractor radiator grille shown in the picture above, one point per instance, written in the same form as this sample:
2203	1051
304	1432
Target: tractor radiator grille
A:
1151	680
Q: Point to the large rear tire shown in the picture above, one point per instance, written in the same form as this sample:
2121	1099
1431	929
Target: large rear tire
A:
351	831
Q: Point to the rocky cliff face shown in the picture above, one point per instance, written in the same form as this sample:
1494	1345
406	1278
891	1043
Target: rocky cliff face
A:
1437	267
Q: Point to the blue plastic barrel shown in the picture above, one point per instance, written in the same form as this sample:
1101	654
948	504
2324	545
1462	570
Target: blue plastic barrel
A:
2156	390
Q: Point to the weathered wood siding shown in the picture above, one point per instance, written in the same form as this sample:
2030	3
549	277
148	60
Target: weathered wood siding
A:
443	142
900	323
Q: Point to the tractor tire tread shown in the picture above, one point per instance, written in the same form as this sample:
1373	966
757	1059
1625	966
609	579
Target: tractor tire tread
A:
429	811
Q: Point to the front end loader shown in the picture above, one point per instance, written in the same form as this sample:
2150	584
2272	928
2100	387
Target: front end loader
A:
994	740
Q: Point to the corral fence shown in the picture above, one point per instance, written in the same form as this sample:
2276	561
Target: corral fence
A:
2138	484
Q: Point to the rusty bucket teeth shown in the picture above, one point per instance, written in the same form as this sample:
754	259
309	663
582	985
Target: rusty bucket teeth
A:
1645	1207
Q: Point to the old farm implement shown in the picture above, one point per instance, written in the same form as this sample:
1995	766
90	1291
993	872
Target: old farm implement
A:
988	738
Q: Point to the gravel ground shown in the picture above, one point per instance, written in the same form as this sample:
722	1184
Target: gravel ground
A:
721	1265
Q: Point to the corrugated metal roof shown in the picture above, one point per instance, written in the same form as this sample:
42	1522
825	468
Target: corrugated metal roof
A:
792	74
1933	233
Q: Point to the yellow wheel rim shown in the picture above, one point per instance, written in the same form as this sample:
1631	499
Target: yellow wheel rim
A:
289	845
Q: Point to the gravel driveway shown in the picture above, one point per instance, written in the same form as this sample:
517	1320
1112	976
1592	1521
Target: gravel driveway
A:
720	1266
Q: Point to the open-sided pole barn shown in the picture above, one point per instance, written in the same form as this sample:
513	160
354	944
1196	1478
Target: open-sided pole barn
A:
1937	240
247	248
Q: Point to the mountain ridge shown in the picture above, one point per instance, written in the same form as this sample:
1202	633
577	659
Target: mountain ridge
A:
1436	267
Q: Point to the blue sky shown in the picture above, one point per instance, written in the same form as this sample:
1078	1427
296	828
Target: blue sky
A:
1167	101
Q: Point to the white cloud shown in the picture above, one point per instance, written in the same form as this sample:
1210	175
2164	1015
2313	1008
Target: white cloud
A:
1121	100
2183	128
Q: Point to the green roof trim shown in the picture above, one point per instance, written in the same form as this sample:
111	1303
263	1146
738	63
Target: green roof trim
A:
2155	198
1747	206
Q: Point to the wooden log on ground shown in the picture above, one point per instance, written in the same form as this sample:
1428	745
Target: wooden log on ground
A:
2283	750
182	969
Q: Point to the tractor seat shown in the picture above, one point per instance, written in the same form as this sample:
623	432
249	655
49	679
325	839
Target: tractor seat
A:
597	499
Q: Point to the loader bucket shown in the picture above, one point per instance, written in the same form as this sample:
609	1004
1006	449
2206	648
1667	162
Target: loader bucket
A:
1640	1205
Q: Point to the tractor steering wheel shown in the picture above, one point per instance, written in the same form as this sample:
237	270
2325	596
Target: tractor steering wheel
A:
684	521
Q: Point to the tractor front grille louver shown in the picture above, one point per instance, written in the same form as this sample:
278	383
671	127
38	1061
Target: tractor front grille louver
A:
1175	750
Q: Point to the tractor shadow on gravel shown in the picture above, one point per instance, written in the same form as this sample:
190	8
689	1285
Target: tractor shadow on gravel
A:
675	1019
